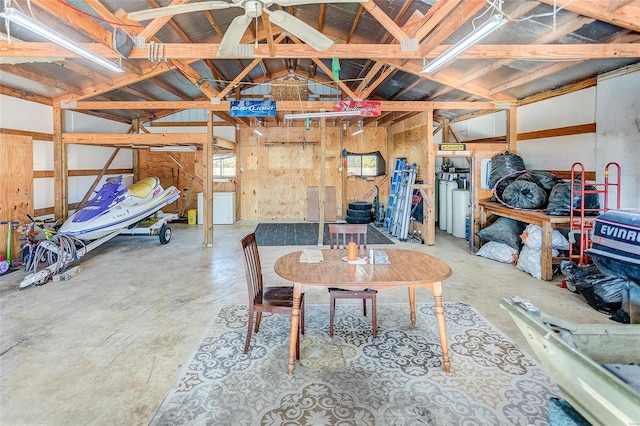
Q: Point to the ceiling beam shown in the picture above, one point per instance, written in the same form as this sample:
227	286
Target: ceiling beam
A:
156	24
42	78
281	105
574	24
615	12
374	85
356	20
386	22
449	25
436	14
200	51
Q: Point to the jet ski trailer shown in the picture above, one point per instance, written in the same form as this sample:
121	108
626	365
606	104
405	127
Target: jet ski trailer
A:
596	366
115	210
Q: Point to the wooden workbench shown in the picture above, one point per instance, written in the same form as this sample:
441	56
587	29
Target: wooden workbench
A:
547	222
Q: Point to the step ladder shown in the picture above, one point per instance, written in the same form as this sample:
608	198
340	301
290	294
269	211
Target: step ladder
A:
393	193
402	212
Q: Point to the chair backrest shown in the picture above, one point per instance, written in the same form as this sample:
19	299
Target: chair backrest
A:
252	269
341	234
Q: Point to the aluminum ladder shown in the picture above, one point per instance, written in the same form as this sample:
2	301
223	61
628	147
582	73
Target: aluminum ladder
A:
402	212
393	193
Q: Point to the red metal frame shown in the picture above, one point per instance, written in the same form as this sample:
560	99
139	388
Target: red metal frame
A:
578	223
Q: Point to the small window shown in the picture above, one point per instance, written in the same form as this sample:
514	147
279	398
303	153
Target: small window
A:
365	165
224	165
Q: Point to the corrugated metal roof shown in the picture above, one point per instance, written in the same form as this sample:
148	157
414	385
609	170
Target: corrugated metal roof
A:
338	22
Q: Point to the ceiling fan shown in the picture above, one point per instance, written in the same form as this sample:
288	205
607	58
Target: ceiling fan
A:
252	9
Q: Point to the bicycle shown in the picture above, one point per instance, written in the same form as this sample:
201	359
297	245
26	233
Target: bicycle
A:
31	254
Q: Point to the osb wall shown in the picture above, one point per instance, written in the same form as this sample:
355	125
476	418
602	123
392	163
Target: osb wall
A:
408	139
162	165
277	169
16	198
359	189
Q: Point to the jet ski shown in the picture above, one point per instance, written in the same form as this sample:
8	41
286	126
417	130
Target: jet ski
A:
117	207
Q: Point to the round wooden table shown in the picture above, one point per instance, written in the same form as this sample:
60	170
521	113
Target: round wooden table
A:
407	268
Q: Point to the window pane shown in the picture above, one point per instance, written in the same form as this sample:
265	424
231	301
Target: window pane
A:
224	165
229	166
369	163
354	165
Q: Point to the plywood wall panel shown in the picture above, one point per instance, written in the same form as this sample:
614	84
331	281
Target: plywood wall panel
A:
16	190
169	172
358	189
278	168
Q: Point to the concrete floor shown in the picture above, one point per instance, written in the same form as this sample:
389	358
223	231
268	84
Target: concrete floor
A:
105	346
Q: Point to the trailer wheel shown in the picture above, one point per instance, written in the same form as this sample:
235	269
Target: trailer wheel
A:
165	234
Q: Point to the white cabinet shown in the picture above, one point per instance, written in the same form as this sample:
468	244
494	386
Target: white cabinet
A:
224	208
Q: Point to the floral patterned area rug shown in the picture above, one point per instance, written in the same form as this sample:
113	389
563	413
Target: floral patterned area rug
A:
354	379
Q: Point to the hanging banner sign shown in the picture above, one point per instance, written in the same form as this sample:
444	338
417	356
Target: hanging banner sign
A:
253	109
367	108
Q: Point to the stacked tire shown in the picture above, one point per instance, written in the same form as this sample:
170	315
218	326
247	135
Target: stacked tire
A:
359	212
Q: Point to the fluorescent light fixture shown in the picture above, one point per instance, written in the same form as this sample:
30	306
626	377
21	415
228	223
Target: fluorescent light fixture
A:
257	130
323	114
13	15
176	148
489	26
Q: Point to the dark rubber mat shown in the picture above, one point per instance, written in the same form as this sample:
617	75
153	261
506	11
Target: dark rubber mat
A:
305	234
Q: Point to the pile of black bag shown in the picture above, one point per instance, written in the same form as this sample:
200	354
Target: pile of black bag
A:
518	188
602	292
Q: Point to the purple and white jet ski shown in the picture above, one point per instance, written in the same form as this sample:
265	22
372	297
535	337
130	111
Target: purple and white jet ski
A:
117	207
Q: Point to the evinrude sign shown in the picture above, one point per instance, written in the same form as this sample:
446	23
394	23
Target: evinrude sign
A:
253	109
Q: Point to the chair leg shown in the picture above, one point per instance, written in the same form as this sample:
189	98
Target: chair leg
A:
247	342
364	306
258	318
332	311
302	316
298	345
374	318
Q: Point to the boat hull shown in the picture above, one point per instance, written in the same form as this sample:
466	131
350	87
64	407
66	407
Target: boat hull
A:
575	355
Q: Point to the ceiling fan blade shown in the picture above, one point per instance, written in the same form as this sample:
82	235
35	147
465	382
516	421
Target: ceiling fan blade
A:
158	12
234	34
300	29
302	2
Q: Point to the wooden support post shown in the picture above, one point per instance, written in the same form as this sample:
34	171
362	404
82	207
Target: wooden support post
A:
429	204
512	129
60	167
343	167
135	128
207	187
323	173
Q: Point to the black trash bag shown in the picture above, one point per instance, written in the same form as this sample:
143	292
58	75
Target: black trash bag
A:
504	230
602	292
523	194
544	180
572	271
502	184
559	200
502	165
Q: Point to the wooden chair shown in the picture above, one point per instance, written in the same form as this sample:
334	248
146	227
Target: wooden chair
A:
278	300
339	237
